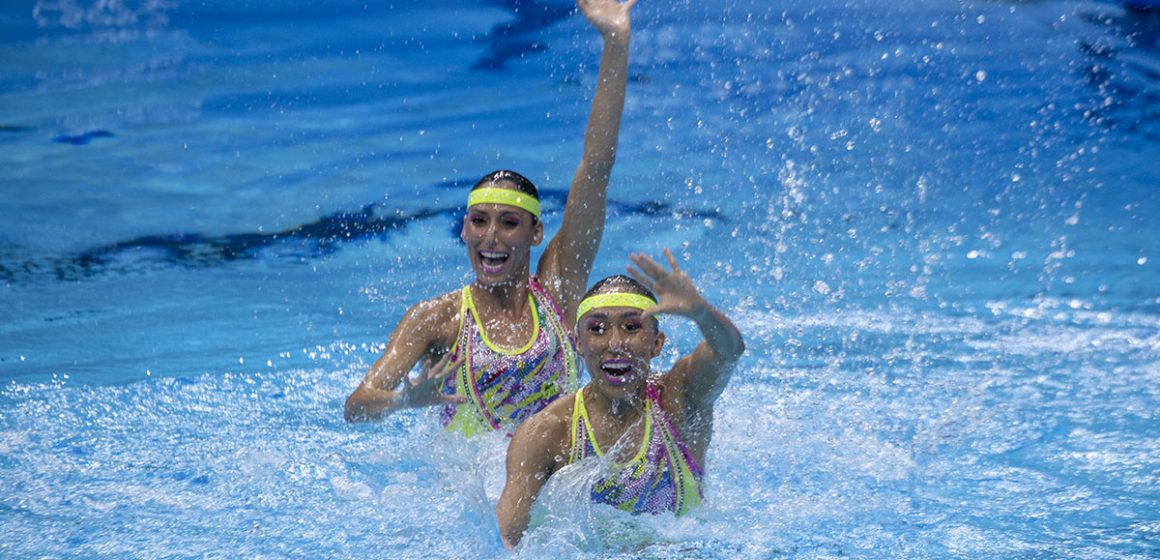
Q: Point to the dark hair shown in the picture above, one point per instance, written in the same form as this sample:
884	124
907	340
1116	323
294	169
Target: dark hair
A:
619	284
522	184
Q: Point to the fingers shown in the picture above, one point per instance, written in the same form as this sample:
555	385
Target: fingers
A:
672	261
640	277
453	398
647	265
446	366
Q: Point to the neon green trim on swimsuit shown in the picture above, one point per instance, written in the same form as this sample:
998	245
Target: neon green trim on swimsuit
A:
503	387
583	412
470	303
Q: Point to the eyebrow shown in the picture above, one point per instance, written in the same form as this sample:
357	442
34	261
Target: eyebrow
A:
500	213
625	315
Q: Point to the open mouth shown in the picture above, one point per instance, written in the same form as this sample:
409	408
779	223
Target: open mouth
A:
616	371
492	261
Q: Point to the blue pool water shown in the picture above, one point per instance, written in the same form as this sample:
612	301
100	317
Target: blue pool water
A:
935	223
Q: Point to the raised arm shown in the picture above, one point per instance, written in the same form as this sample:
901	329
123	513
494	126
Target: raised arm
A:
386	389
703	374
534	454
568	259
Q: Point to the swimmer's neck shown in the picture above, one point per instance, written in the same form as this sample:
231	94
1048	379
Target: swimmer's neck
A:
621	408
507	296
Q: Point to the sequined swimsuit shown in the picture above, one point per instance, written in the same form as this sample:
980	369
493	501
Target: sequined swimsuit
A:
661	477
504	387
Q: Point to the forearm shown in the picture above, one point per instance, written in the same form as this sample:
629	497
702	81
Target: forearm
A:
514	519
603	129
571	252
367	404
721	335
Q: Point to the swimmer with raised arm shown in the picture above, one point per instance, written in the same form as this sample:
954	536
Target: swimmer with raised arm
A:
500	349
652	429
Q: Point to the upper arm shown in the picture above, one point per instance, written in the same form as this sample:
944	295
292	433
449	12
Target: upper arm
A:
570	254
702	376
418	334
532	458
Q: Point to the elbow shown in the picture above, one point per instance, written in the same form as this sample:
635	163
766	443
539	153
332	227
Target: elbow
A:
734	354
350	413
354	410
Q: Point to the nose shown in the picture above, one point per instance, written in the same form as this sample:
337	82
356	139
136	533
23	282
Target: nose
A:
616	340
490	235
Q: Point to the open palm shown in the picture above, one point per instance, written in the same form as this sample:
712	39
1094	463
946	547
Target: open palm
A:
608	16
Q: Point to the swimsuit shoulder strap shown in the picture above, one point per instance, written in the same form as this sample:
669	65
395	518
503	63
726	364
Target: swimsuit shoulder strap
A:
582	435
465	304
542	295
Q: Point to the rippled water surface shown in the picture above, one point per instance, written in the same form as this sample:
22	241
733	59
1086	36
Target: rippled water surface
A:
935	223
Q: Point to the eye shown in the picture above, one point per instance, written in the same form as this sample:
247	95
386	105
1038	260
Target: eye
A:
477	219
595	326
511	222
632	326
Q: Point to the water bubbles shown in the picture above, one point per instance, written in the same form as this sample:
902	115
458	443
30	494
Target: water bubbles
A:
822	287
1140	261
981	75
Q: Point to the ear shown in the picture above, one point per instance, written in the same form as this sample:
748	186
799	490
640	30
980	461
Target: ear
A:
658	344
538	232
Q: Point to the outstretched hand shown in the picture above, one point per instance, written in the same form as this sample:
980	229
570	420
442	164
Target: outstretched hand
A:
676	293
607	16
424	389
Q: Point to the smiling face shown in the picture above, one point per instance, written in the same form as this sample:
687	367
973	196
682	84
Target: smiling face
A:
499	241
617	345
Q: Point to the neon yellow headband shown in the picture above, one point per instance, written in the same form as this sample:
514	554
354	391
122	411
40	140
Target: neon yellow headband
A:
504	196
614	300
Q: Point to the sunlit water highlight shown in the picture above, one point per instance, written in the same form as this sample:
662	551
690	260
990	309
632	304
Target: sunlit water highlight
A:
935	223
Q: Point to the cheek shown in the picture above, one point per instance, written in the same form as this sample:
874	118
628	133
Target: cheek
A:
470	232
589	346
518	238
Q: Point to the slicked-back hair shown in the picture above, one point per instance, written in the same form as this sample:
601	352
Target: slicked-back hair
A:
522	184
620	284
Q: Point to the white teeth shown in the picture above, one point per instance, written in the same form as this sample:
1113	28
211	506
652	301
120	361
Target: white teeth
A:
493	255
619	368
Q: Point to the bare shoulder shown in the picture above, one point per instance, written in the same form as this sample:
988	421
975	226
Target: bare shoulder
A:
546	433
435	319
674	390
554	419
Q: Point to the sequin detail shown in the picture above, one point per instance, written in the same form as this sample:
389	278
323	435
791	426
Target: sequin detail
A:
505	387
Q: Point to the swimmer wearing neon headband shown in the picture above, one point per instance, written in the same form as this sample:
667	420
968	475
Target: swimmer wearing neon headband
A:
500	349
651	430
509	197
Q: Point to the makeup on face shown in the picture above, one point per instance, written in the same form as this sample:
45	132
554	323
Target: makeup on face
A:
494	234
618	344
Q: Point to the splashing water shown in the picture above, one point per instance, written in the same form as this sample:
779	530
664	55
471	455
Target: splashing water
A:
934	223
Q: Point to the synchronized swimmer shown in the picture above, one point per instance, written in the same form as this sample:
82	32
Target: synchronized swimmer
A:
500	349
655	426
499	353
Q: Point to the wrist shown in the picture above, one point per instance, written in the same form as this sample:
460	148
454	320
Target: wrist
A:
615	37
